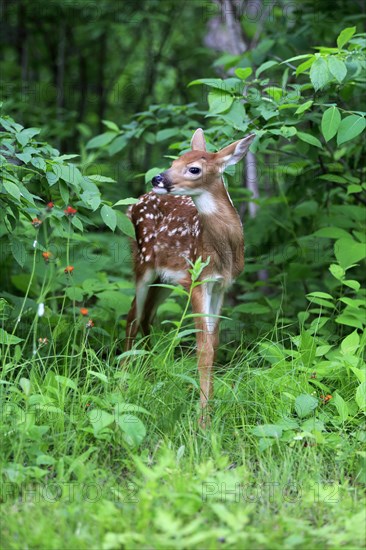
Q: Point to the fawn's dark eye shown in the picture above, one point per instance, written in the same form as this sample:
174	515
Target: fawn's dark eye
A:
194	170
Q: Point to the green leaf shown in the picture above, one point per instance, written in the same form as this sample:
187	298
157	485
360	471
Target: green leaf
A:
101	140
268	430
75	293
264	67
333	177
331	120
26	135
305	65
253	308
341	406
305	404
91	199
167	133
304	107
12	189
126	201
319	74
8	339
100	419
212	82
349	252
25	384
350	127
243	73
219	101
109	216
361	396
337	68
133	429
111	125
76	222
351	343
101	179
308	138
331	233
117	145
66	382
125	224
345	35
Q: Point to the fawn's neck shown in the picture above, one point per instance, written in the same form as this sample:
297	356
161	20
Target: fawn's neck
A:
222	231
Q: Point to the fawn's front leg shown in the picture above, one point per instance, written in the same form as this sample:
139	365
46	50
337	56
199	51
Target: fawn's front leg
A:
206	300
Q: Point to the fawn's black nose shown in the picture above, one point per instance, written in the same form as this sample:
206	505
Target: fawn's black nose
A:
157	179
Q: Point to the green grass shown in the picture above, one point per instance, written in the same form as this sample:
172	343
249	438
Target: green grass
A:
95	455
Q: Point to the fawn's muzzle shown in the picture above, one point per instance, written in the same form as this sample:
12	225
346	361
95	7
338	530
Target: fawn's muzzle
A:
160	183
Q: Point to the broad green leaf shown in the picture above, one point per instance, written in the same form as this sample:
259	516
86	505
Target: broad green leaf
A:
332	233
351	343
305	65
333	177
308	138
117	145
167	133
349	252
66	382
253	308
305	404
101	140
26	135
345	35
111	125
341	406
213	82
307	348
91	199
297	57
351	283
100	419
337	68
8	339
303	107
319	73
114	300
125	224
98	375
337	271
330	123
75	293
76	222
268	430
243	73
101	179
25	384
361	396
350	127
133	429
12	189
109	216
126	201
264	67
219	101
351	319
321	295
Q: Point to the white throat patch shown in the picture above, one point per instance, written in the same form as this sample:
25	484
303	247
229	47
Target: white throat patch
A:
205	203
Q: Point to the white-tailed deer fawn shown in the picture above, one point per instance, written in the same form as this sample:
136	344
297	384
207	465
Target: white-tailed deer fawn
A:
188	215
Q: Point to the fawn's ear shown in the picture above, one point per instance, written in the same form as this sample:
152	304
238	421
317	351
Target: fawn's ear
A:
198	142
236	151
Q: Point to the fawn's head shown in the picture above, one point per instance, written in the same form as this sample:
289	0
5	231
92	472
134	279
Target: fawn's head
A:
196	171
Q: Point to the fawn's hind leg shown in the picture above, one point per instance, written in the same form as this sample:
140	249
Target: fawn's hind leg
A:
137	311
